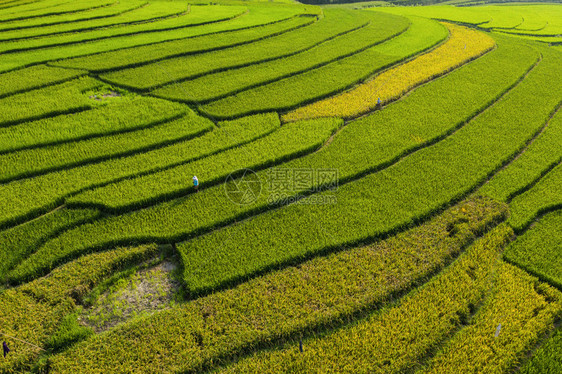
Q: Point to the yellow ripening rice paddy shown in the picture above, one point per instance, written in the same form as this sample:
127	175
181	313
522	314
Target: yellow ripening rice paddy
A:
463	45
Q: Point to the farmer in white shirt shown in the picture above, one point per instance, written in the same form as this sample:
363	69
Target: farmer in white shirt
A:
195	183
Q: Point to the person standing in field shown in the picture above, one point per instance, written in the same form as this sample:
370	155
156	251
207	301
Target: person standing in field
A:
5	349
195	183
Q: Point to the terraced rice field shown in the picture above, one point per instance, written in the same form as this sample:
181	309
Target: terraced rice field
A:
380	187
